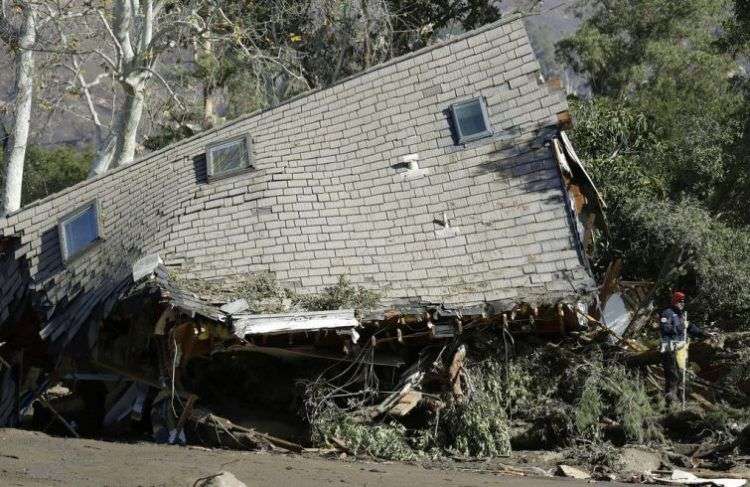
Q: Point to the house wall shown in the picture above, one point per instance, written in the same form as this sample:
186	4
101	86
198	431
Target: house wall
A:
325	198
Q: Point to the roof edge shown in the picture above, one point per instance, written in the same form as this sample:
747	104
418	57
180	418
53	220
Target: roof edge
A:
241	118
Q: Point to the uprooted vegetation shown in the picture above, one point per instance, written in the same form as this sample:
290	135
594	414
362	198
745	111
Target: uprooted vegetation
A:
470	425
267	295
578	399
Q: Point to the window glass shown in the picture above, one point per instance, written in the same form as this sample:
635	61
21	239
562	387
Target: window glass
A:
80	231
227	158
471	120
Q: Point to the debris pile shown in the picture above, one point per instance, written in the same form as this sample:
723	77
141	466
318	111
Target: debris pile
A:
252	365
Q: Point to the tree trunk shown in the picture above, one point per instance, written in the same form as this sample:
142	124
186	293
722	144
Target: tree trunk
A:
127	126
23	87
119	148
135	71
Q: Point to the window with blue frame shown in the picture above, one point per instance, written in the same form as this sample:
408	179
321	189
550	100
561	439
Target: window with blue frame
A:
470	120
79	231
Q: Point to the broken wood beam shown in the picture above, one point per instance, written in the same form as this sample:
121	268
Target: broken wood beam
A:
454	372
249	324
202	418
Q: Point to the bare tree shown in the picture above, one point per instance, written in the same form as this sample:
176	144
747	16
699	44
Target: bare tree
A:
21	40
139	31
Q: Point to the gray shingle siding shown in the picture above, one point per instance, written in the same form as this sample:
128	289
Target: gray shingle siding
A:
325	198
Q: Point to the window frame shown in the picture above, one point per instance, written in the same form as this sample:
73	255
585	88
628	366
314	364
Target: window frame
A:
62	232
462	139
245	140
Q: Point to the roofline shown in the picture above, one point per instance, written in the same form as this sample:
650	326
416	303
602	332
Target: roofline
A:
241	118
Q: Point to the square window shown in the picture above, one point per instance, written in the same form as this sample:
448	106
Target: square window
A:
229	157
470	120
79	231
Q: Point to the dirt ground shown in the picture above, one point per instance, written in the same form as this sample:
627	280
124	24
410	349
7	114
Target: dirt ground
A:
29	458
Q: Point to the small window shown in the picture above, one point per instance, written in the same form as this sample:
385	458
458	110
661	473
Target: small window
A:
229	157
79	231
470	120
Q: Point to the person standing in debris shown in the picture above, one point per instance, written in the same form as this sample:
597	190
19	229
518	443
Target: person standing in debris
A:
675	330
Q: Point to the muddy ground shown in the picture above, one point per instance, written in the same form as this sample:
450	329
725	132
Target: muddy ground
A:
29	458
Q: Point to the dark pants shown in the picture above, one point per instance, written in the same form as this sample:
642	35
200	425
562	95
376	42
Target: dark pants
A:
672	376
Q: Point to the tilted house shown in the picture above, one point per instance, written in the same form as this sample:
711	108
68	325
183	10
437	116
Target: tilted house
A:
430	178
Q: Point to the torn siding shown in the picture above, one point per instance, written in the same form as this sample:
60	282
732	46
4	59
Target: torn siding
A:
325	197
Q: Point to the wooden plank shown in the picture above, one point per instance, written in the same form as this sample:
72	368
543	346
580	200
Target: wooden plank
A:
406	403
245	324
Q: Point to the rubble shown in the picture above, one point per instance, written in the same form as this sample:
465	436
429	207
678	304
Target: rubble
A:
498	340
680	477
408	383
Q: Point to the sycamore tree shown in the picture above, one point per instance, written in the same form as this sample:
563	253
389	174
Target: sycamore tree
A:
137	33
27	30
18	30
662	131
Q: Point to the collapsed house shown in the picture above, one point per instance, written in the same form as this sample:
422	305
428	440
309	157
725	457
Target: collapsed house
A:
441	179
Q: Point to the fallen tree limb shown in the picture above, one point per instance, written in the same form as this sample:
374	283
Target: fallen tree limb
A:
208	419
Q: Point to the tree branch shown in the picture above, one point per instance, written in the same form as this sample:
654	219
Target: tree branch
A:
118	46
107	59
172	94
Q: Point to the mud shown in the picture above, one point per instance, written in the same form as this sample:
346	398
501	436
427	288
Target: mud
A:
29	458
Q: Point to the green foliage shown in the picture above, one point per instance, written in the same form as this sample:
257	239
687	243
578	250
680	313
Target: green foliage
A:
651	221
478	426
528	384
384	440
616	393
715	266
631	405
623	45
47	171
668	92
342	295
665	136
589	409
725	423
736	37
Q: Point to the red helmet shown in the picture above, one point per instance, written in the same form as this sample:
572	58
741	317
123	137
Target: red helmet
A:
678	297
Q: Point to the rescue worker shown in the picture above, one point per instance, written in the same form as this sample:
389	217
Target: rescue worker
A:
675	330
